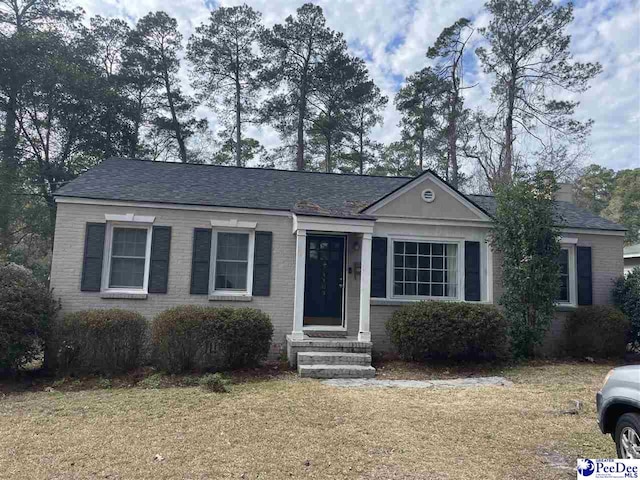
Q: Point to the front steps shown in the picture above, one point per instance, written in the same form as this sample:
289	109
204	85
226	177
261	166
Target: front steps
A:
330	357
336	371
333	358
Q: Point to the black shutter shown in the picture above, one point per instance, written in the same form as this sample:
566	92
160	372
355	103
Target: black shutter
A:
472	271
159	268
93	253
379	267
262	264
585	292
200	261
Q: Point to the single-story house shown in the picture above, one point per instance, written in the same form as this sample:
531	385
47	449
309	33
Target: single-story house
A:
329	257
631	256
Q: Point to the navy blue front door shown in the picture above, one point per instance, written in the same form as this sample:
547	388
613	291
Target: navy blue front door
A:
324	280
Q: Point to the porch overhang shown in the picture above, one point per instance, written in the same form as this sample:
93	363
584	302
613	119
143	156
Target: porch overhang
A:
313	223
317	223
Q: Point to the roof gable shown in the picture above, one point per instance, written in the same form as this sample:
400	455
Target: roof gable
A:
407	202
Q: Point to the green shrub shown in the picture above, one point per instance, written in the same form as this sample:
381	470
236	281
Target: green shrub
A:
26	309
152	381
626	296
100	341
215	382
449	330
189	338
596	331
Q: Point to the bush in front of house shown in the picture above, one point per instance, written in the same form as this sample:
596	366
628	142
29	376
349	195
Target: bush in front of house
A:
626	296
449	330
214	382
100	341
596	331
26	310
188	337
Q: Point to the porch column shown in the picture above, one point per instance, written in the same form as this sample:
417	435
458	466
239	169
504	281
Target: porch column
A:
364	334
298	296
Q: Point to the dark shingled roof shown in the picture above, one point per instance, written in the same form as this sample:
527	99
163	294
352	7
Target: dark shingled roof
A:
324	194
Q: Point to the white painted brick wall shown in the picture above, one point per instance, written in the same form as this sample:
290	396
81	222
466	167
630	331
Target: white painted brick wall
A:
68	252
69	246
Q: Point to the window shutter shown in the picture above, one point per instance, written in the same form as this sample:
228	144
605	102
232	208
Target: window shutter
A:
472	271
93	255
379	267
585	292
200	261
262	264
159	268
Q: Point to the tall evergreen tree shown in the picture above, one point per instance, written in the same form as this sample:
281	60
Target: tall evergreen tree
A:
105	40
158	43
293	51
449	50
419	101
22	22
226	62
528	53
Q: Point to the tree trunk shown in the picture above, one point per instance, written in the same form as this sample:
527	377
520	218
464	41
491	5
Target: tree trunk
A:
421	150
238	126
328	154
174	119
301	114
9	173
361	152
507	165
452	140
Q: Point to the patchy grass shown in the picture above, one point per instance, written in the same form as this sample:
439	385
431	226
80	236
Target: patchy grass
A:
292	428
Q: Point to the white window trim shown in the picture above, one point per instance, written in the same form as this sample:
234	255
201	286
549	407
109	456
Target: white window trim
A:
106	263
248	229
390	265
573	279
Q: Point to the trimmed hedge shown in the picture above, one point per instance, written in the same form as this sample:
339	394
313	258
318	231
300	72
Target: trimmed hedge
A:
100	341
596	331
626	296
449	330
189	338
26	309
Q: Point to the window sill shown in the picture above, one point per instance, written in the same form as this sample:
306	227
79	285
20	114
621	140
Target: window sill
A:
230	298
124	295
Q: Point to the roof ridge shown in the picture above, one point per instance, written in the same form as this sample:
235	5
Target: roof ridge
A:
257	168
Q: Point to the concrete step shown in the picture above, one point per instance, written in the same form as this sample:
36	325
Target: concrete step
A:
333	358
336	371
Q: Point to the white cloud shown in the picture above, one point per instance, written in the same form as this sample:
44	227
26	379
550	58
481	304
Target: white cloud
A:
393	36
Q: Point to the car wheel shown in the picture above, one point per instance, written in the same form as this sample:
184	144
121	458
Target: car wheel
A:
628	436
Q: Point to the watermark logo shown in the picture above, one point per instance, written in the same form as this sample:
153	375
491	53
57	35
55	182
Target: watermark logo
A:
586	467
591	469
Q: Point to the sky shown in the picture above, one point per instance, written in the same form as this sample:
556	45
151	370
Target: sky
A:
392	36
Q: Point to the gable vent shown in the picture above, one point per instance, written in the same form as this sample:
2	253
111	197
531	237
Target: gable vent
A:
428	195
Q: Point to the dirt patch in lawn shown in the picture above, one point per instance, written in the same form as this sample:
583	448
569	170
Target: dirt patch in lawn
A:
293	428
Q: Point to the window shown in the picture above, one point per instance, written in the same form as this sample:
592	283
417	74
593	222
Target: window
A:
233	252
425	269
128	257
565	277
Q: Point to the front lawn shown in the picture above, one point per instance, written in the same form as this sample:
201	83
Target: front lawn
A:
293	428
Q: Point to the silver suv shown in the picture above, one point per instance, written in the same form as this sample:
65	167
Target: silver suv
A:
618	404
